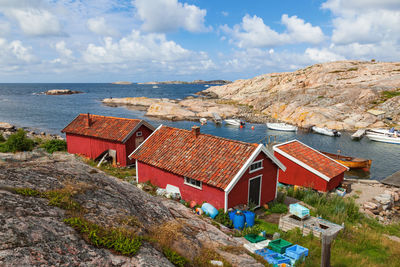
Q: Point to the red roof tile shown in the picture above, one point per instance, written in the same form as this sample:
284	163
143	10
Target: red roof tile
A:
210	159
109	128
312	158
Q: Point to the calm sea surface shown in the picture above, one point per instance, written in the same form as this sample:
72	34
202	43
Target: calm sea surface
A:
20	104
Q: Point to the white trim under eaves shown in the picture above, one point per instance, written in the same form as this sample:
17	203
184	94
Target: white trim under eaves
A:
243	169
145	140
137	172
273	158
295	140
250	160
277	182
226	202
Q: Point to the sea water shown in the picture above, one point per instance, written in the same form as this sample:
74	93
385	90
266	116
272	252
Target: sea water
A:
24	105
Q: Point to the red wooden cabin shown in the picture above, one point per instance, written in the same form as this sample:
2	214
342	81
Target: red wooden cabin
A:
222	172
92	135
308	167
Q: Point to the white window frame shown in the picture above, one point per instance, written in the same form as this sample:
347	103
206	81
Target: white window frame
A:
139	134
193	185
260	193
255	162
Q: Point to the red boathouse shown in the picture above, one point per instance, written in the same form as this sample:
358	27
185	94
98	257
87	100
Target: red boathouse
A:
222	172
92	135
308	167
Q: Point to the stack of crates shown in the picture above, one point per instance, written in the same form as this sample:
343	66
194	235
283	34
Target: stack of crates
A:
279	245
299	211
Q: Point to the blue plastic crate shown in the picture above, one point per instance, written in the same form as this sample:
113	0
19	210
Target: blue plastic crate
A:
264	252
277	258
299	210
296	252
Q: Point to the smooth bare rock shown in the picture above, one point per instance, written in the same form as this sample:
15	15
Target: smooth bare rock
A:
334	94
187	109
62	92
5	126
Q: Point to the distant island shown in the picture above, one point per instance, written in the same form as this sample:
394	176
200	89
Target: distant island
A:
61	92
193	82
122	82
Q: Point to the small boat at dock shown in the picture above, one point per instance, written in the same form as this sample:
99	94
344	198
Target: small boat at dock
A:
235	122
392	138
278	126
203	121
217	118
351	162
326	131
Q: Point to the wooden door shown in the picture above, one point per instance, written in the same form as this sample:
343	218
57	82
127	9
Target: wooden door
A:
255	190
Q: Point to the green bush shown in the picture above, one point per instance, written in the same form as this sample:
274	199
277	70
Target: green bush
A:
278	208
174	257
117	239
52	146
2	139
223	218
17	142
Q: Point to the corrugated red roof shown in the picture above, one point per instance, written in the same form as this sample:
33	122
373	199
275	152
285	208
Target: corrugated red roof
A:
312	158
210	159
109	128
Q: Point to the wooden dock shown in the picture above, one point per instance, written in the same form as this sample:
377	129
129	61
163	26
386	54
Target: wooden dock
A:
217	118
359	134
393	179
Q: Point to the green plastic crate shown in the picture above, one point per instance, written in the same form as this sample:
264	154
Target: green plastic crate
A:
279	245
253	238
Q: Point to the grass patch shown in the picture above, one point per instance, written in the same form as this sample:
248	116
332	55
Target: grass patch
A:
126	174
390	94
205	257
268	227
52	146
174	257
2	139
117	239
275	207
28	192
17	142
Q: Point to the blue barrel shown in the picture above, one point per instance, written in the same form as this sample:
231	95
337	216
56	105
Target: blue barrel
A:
238	221
250	216
209	210
232	214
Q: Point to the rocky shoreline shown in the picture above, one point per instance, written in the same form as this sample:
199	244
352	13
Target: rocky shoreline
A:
7	129
193	82
337	95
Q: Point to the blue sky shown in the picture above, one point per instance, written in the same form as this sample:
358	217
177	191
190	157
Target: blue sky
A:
148	40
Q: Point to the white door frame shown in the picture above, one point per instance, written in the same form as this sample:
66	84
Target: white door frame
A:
259	193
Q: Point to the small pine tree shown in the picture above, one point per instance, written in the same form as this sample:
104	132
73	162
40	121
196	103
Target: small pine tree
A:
17	142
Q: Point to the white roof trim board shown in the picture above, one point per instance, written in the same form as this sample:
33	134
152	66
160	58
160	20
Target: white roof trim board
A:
145	140
260	148
304	165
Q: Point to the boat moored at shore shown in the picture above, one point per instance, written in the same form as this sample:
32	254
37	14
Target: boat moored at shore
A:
279	126
234	122
326	131
351	162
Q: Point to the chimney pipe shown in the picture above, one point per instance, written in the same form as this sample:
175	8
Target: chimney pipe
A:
88	121
195	131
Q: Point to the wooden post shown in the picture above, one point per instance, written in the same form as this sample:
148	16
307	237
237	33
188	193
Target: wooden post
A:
326	250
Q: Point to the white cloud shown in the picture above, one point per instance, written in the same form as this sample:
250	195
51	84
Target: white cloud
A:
14	53
147	51
253	32
33	17
322	55
100	27
169	15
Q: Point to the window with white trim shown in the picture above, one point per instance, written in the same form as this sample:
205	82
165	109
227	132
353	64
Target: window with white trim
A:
139	133
193	182
255	166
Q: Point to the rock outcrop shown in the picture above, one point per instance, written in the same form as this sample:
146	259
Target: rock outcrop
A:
336	94
61	92
187	109
32	231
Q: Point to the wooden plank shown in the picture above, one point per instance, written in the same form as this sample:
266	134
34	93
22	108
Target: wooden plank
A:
393	179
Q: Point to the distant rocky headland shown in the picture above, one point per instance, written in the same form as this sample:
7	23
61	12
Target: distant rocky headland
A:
193	82
337	95
61	92
122	82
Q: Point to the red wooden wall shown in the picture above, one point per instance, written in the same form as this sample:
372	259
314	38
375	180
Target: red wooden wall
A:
130	143
239	194
161	178
298	175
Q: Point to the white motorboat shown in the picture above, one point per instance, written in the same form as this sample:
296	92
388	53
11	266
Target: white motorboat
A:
385	138
203	121
234	122
383	131
326	131
281	127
